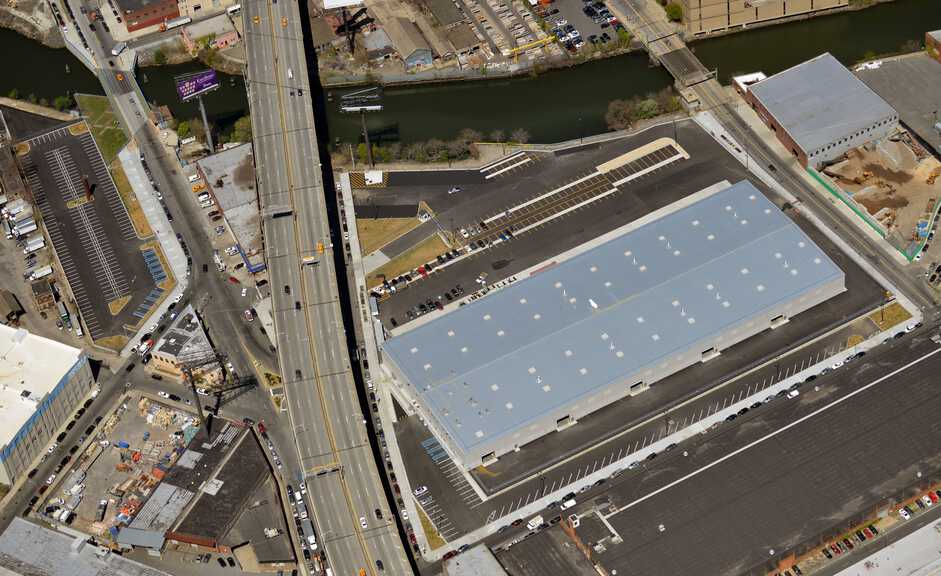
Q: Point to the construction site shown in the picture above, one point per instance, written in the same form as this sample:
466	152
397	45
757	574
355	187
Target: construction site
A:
157	479
120	468
895	182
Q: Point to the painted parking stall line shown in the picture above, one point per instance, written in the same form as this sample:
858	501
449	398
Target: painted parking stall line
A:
106	187
63	251
102	259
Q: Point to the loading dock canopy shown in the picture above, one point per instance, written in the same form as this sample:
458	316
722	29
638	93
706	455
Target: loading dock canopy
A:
489	370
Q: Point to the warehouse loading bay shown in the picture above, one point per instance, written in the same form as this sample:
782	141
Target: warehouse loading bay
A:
452	504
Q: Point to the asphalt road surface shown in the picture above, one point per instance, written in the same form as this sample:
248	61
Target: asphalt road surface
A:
781	480
331	437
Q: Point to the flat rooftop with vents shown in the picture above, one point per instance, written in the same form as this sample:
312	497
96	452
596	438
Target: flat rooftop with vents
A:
676	289
819	110
41	380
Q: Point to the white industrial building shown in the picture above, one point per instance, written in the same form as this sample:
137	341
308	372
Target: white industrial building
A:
41	383
536	356
820	110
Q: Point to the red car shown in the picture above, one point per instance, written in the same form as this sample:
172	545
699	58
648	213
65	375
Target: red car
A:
934	497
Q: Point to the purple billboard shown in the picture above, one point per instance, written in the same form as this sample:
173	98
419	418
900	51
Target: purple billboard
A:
192	85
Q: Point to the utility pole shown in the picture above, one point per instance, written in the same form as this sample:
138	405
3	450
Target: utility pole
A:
202	110
362	116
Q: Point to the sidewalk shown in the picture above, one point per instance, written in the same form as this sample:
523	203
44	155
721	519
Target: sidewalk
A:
163	232
372	337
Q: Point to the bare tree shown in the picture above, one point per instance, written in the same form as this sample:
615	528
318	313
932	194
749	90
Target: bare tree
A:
497	136
520	136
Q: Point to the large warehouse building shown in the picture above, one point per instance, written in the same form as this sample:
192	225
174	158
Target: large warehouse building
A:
41	382
820	110
540	354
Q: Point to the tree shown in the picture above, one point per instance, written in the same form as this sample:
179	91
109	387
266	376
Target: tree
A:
183	129
667	101
197	129
160	57
469	135
13	94
620	114
32	99
646	108
497	136
624	37
242	130
519	136
62	102
674	12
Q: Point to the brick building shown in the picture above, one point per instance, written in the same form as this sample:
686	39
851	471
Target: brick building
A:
143	13
705	16
820	110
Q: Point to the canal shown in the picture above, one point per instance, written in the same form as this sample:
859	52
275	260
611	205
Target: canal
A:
553	106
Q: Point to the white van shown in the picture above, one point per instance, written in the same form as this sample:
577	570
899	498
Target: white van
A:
567	504
193	178
290	73
534	522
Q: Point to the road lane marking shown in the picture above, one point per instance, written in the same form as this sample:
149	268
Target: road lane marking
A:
772	434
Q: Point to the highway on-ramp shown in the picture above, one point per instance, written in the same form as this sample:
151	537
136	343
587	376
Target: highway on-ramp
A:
331	438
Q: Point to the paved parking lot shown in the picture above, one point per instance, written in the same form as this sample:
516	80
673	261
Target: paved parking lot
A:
910	84
576	452
572	11
89	228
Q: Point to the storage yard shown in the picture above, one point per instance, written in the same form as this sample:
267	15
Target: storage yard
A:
121	465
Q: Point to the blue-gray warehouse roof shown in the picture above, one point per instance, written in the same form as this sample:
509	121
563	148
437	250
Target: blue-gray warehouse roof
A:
820	101
493	366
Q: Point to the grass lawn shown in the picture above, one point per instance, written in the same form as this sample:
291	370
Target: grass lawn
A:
891	315
434	539
410	260
376	233
103	123
141	226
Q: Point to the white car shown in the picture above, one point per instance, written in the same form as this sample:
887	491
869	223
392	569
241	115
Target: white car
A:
837	364
927	500
911	327
51	479
244	292
420	490
404	514
904	514
454	189
793	394
163	394
567	504
53	448
464	233
202	392
362	522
